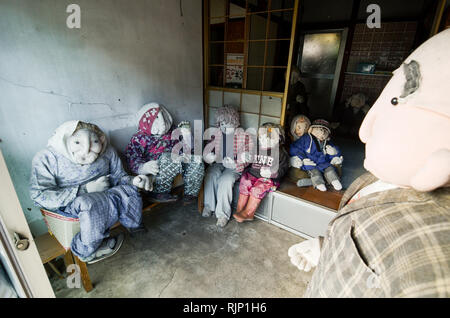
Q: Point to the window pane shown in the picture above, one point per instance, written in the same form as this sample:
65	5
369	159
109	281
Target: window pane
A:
320	53
250	103
237	8
215	98
277	53
271	106
254	78
217	30
256	53
274	79
249	121
217	8
216	53
216	76
232	99
211	116
282	4
258	24
234	70
265	119
280	25
257	5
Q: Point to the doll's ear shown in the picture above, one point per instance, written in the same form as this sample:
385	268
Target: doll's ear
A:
435	173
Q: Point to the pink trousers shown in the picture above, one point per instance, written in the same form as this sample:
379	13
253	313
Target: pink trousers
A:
256	187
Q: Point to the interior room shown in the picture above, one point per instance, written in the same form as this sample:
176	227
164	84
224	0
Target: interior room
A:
271	60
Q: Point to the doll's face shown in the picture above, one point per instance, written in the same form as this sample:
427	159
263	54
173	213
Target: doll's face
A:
159	125
320	133
268	137
226	127
85	146
300	128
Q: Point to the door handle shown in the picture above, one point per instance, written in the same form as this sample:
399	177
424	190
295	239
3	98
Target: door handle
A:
21	243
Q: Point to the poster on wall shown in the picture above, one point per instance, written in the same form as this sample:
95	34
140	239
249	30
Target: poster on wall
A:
235	70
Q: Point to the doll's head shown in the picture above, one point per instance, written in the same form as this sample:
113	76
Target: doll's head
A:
407	130
154	119
80	142
320	129
227	118
270	135
299	126
356	101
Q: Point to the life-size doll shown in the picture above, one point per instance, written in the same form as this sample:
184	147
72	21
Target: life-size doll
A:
318	155
351	115
225	154
390	237
299	126
80	175
268	166
149	153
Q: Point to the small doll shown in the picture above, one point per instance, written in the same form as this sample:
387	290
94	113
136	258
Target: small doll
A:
269	165
229	144
318	155
351	115
149	152
299	126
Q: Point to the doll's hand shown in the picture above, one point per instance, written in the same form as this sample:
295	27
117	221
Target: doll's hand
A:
210	158
295	162
308	162
337	160
99	185
330	150
299	99
143	182
150	167
265	172
306	254
229	163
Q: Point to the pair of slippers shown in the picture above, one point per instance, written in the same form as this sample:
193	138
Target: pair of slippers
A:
108	248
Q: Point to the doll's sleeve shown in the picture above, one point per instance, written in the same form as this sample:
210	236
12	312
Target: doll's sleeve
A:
134	154
118	175
338	154
297	149
44	189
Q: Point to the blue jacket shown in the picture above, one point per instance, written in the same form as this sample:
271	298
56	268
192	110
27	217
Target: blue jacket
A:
307	146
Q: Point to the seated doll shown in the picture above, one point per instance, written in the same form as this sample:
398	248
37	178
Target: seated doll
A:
351	115
149	153
225	170
80	175
299	126
268	166
318	155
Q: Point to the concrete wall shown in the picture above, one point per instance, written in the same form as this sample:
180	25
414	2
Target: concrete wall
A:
127	53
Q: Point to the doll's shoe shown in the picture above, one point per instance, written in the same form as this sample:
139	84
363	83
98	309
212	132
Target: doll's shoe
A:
162	197
242	217
321	187
336	185
107	249
221	222
206	212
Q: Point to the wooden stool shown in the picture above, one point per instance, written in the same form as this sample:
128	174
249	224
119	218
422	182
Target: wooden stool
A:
49	249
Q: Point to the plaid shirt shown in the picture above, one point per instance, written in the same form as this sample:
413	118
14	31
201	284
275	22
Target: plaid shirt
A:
394	243
242	142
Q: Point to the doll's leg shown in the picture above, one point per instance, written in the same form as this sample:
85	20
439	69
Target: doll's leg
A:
245	185
193	173
259	190
225	194
317	179
212	176
168	170
332	177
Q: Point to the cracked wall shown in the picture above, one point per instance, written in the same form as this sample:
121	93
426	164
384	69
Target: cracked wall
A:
126	54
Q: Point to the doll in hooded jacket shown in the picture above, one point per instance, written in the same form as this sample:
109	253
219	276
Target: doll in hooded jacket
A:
268	166
317	154
80	175
149	152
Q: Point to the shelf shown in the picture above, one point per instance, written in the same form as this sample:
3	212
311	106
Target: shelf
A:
367	74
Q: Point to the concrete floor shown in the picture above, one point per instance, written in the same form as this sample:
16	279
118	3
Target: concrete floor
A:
185	255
